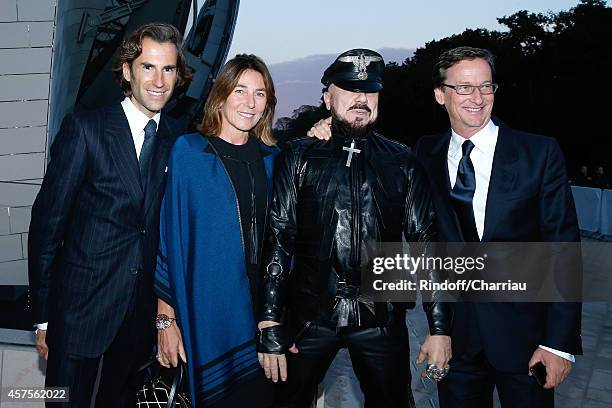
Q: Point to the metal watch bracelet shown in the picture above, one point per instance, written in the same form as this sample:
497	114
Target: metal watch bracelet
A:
163	321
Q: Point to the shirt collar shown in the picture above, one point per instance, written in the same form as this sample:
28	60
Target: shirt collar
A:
136	119
484	140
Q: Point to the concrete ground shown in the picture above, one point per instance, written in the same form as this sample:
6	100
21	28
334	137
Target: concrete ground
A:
590	382
588	386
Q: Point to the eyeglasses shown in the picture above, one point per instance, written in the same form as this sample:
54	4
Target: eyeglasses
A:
485	89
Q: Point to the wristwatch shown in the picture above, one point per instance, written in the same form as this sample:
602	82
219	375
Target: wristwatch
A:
162	321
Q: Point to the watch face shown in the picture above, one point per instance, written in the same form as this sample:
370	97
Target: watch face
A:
162	322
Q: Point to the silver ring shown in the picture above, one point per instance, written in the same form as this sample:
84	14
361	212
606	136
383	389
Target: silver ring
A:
433	372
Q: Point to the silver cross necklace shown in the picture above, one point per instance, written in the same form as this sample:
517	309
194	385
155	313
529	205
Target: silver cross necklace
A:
350	151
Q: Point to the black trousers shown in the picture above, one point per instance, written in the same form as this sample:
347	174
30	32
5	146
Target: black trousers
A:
471	381
117	388
380	357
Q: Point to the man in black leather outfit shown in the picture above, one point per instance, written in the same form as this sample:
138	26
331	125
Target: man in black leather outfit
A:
333	199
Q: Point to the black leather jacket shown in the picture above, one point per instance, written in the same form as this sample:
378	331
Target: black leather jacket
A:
324	214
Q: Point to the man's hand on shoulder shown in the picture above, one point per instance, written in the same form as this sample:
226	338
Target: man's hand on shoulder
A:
557	368
321	129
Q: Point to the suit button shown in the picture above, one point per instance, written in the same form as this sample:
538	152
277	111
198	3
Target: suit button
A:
134	271
143	231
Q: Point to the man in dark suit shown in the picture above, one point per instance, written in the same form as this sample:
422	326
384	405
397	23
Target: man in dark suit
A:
94	230
496	184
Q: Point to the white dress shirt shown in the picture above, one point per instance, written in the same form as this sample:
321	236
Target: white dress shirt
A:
137	122
484	141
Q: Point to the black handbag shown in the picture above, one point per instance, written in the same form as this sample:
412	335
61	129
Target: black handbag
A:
164	389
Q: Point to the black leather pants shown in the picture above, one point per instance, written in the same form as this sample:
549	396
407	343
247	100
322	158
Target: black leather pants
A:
380	357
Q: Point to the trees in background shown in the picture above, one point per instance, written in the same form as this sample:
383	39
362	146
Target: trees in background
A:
553	70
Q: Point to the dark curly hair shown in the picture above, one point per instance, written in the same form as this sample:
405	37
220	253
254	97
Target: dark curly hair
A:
131	48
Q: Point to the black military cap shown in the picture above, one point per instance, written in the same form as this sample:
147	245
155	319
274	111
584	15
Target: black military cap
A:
358	70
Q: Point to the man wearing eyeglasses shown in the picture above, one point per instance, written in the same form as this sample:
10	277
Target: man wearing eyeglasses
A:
496	184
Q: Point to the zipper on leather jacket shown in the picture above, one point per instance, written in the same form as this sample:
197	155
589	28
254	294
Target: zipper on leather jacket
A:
355	186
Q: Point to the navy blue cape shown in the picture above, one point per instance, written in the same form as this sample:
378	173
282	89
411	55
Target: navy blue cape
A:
201	268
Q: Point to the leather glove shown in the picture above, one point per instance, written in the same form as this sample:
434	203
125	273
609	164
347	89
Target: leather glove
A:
273	340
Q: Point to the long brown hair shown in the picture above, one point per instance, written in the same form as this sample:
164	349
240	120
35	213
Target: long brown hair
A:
131	48
224	85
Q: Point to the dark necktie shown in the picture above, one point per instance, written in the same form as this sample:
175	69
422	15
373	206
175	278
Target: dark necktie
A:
146	152
463	193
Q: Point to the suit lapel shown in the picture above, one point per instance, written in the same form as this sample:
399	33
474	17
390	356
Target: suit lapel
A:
440	168
121	146
503	177
439	173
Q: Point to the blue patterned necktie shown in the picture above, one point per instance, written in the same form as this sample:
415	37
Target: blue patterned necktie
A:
463	194
146	152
